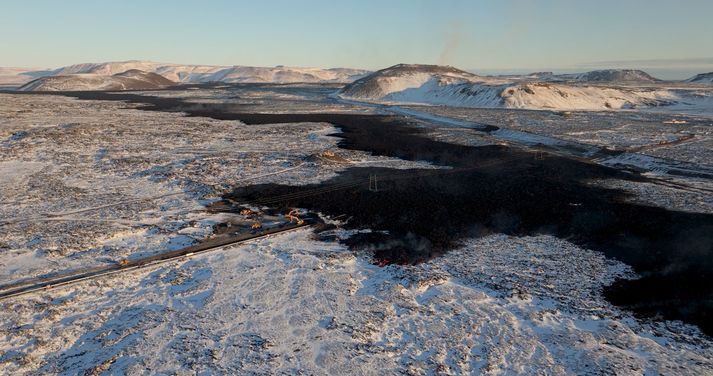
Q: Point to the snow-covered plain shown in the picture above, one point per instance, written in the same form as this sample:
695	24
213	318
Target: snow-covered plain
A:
291	304
648	133
91	182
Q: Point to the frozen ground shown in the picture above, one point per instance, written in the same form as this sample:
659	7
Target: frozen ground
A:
290	304
87	182
90	182
644	132
672	148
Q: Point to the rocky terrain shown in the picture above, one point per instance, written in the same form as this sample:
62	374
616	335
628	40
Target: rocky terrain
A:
90	182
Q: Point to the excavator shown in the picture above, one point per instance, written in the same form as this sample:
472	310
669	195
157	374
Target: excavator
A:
247	212
292	215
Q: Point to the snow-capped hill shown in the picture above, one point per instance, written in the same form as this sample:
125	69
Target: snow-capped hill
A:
404	80
107	69
133	79
279	74
213	73
148	77
436	70
545	95
193	73
613	76
703	78
174	72
451	87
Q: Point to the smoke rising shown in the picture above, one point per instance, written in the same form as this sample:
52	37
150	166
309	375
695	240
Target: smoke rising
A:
453	38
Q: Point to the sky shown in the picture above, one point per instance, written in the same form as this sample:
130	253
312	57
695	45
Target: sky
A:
670	37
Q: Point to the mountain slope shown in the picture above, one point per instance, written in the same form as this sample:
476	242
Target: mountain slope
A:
703	78
402	79
281	75
449	86
192	73
227	74
613	75
106	69
148	77
133	79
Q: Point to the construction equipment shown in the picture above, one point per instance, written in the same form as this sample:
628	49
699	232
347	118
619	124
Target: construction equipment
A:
256	226
292	215
123	262
247	212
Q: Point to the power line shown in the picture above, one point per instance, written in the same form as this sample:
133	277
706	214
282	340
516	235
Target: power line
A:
371	181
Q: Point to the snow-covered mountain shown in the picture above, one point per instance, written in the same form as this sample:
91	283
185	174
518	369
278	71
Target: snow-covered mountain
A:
132	79
400	81
703	78
281	74
606	76
200	73
430	84
613	76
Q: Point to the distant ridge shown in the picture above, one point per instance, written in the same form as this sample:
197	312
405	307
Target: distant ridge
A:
703	78
442	85
198	73
615	75
132	79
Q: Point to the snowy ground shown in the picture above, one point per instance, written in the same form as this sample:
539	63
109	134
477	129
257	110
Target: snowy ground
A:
290	304
89	182
621	130
664	146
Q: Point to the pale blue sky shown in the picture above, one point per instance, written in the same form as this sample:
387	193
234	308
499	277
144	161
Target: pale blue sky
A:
667	36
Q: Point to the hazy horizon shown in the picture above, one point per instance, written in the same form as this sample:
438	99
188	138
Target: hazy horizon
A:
514	36
661	72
